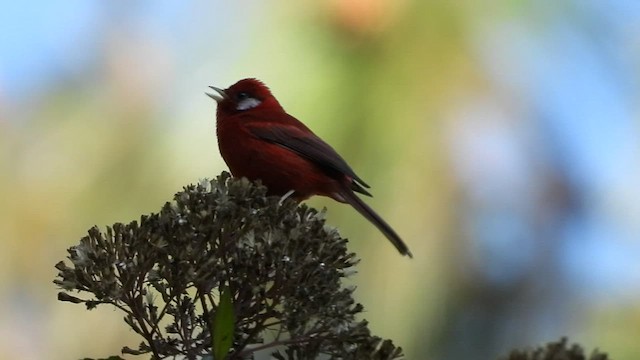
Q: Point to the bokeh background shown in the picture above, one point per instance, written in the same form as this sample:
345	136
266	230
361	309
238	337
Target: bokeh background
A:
500	137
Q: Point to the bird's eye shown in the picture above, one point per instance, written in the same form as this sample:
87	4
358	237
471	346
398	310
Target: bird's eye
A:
245	101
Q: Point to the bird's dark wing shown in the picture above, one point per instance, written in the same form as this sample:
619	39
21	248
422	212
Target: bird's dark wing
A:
309	146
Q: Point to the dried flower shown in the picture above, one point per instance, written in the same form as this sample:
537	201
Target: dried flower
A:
225	271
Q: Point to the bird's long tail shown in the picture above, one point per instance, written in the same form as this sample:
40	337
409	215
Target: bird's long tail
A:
350	197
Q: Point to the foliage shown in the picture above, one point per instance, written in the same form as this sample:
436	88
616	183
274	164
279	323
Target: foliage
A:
556	351
277	261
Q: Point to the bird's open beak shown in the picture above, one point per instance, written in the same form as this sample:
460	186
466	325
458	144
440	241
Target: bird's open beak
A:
219	94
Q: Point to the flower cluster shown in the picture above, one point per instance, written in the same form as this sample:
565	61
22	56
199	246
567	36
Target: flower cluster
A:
558	350
225	271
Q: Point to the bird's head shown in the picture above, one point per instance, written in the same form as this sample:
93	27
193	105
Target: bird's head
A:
243	96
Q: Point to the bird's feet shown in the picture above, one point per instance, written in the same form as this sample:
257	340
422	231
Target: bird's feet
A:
285	196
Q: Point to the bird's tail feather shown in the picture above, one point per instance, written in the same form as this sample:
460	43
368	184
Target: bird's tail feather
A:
350	197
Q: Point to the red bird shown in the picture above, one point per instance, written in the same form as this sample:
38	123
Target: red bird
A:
259	140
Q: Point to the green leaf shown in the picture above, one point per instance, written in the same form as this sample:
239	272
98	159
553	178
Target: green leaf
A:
223	326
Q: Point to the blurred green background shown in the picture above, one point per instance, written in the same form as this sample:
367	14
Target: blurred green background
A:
500	138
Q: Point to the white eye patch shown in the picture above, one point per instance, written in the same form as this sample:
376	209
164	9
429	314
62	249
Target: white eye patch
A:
248	103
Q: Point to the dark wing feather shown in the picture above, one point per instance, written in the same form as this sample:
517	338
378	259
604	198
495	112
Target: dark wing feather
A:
311	147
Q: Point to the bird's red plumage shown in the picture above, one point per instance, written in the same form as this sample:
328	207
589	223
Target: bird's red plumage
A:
259	140
277	167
